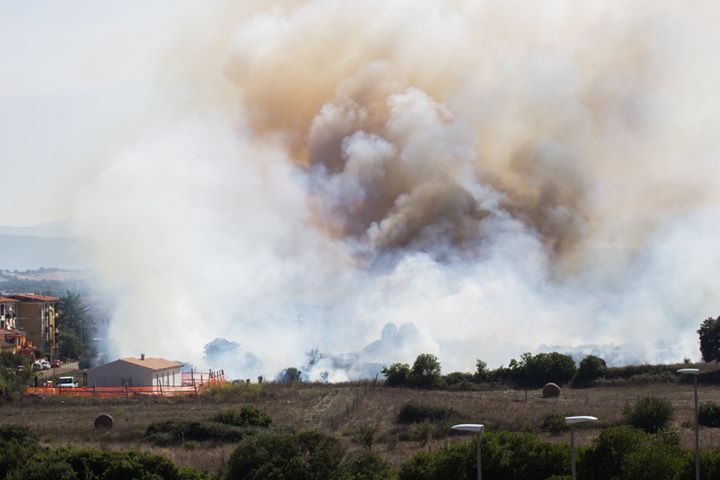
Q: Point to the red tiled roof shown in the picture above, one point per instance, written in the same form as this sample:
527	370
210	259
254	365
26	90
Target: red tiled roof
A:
14	333
31	297
7	300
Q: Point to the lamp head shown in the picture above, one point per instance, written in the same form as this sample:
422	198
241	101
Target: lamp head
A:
469	427
579	419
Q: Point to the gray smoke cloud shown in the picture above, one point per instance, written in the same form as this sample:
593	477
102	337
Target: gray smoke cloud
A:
489	178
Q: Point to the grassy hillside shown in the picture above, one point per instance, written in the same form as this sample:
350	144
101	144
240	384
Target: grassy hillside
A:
329	408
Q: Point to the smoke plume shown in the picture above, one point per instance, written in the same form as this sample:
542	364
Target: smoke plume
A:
488	176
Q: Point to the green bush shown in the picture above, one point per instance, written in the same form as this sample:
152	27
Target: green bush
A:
248	416
554	423
17	445
417	412
709	414
364	435
649	413
175	432
95	464
625	452
368	466
285	456
505	455
456	462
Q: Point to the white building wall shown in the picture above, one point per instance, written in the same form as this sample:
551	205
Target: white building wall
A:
114	373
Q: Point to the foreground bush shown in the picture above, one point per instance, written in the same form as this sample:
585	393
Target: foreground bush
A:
649	413
554	423
709	414
24	459
629	453
506	455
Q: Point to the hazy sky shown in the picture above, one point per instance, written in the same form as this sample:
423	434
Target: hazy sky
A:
301	173
74	79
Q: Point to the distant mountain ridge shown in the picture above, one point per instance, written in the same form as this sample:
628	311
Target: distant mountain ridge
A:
44	245
45	230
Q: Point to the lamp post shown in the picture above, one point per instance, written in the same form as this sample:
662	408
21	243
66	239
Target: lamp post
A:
572	421
695	372
478	429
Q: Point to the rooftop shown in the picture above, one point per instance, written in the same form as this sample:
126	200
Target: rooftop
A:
32	297
153	363
7	300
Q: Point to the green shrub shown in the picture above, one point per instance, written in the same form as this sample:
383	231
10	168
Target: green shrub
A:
364	435
175	432
95	464
456	462
248	416
627	452
554	423
368	466
709	414
649	413
279	456
505	455
416	412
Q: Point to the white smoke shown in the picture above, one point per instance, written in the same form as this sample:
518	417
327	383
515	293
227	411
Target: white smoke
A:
498	177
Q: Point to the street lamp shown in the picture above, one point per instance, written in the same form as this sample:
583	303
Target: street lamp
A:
572	421
478	429
695	372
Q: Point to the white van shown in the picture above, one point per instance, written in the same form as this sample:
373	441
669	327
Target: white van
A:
67	382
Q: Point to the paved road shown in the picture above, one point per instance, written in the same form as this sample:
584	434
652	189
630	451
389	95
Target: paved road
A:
64	368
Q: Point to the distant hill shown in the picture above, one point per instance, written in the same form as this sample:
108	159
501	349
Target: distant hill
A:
44	245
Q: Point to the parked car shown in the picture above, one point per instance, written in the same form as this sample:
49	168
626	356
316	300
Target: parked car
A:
56	363
37	365
67	382
45	364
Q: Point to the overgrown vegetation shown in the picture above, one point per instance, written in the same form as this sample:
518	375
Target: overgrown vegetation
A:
416	413
225	427
651	414
15	373
709	414
22	457
248	416
305	455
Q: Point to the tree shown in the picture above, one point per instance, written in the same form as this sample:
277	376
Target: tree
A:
70	346
289	375
709	333
397	374
591	368
481	370
75	320
537	370
425	372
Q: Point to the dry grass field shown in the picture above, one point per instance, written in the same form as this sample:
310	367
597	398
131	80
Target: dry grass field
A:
70	421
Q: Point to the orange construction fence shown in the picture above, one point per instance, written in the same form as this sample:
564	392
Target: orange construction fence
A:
192	384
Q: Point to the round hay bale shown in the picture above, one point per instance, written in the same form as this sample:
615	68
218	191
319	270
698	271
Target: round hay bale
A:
551	390
104	422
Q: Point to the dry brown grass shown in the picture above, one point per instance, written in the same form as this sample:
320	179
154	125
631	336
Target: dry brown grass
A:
70	421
